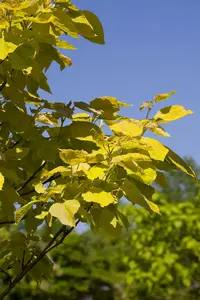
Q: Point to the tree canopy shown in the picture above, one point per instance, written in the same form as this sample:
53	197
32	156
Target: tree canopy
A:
57	160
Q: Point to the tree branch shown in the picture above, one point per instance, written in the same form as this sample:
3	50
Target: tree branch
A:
7	275
51	245
31	177
31	264
2	86
7	222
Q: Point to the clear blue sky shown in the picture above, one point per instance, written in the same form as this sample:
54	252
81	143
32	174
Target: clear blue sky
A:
151	47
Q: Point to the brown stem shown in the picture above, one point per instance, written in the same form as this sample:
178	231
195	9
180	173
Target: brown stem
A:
30	265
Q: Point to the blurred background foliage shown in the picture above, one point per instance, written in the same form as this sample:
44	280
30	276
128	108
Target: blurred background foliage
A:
157	258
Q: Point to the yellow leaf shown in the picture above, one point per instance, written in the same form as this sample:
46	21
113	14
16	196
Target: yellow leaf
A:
1	181
60	169
101	197
6	48
153	206
157	150
65	211
171	113
131	156
39	188
143	171
161	97
155	127
95	172
130	127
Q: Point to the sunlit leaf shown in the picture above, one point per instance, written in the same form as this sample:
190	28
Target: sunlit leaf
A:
65	211
101	197
171	113
161	97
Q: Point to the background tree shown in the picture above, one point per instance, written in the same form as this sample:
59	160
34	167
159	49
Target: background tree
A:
57	163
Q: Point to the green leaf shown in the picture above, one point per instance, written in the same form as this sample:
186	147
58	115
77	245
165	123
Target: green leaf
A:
133	194
176	160
65	211
96	26
99	196
161	97
171	113
17	153
62	20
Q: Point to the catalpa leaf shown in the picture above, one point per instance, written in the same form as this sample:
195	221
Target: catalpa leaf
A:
65	211
147	104
157	150
1	181
99	196
105	103
130	127
20	213
95	172
161	97
171	113
134	195
176	160
73	157
96	26
155	128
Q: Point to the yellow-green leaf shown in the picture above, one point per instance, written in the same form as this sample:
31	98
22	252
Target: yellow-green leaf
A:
65	211
39	188
95	172
133	194
157	150
176	160
161	97
101	197
1	181
96	26
155	128
171	113
73	157
146	104
47	118
20	213
130	127
106	104
131	156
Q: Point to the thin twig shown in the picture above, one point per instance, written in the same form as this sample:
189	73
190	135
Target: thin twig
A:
3	85
31	177
7	222
53	177
148	112
48	248
7	275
